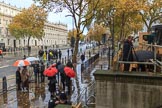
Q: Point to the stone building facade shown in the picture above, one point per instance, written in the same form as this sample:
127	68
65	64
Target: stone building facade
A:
55	33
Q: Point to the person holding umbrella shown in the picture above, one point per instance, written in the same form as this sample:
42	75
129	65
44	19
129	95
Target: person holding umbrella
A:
52	85
68	79
69	64
51	74
24	78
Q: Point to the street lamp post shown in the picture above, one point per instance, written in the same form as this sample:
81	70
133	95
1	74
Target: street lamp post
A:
113	49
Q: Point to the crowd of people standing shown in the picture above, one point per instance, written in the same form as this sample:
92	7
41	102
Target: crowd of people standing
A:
59	83
51	54
27	74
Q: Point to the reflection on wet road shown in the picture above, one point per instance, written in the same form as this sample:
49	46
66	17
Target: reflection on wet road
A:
37	97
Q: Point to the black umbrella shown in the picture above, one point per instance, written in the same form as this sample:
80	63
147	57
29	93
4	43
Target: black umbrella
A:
143	55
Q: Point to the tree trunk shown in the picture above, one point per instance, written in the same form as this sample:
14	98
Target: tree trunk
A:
29	49
122	27
74	59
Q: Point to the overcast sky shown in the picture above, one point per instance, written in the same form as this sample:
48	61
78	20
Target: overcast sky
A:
52	17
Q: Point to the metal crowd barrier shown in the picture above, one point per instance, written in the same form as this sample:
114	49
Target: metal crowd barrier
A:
87	63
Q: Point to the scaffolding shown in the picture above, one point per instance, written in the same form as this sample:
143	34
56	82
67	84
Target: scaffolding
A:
155	62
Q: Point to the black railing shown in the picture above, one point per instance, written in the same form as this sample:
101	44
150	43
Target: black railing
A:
87	63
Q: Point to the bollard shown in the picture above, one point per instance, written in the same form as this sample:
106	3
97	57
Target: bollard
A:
62	60
4	84
109	58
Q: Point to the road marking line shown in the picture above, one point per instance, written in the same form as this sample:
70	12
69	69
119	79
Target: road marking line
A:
4	66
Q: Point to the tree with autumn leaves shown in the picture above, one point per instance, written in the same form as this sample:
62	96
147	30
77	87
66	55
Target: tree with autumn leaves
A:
96	32
122	17
72	34
151	12
78	10
126	17
29	23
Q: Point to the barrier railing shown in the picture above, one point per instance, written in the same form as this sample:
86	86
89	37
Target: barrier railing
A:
87	63
85	95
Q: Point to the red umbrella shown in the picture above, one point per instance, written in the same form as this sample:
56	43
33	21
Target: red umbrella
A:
51	71
69	71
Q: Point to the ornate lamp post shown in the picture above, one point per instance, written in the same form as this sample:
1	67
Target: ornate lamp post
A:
113	49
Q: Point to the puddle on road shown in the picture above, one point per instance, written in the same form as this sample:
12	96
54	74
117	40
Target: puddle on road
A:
37	97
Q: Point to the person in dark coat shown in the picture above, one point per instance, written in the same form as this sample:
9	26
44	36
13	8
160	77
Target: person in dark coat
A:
60	68
18	78
127	52
42	68
72	51
40	53
69	64
62	98
60	54
24	57
52	85
68	52
82	57
36	71
56	54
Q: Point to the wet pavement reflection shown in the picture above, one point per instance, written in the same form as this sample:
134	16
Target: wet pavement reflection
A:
39	96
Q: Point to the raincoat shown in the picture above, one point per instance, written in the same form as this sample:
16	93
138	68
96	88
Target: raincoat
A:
44	56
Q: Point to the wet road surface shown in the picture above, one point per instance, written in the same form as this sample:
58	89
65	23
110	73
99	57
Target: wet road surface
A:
38	95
